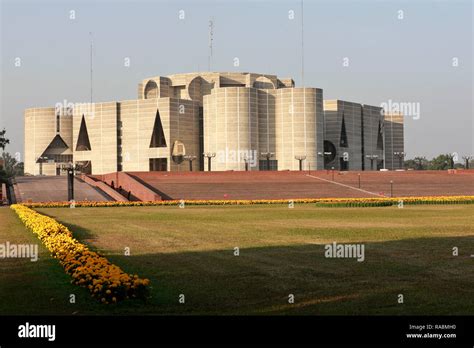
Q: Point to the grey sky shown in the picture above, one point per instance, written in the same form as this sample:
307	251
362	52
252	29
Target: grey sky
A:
403	60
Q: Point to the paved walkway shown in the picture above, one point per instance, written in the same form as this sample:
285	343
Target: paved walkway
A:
54	189
244	185
348	186
317	184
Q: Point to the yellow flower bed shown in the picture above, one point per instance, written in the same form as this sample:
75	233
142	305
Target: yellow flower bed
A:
320	201
106	281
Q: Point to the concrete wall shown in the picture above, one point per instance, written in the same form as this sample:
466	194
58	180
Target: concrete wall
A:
154	87
394	140
245	115
231	128
184	127
138	118
40	130
372	116
299	127
129	184
334	110
240	120
194	86
101	122
266	121
100	185
180	121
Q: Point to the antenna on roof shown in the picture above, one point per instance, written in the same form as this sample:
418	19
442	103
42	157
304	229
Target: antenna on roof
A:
211	34
302	45
90	38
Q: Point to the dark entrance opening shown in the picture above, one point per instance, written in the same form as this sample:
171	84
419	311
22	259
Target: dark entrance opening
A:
379	164
268	164
329	153
343	165
158	164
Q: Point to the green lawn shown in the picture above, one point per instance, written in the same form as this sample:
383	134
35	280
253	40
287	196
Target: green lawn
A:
39	287
190	251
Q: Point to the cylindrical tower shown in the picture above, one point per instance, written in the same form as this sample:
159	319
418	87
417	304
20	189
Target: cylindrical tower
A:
299	128
231	128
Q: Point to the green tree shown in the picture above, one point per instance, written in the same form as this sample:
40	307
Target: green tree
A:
442	162
11	167
3	140
410	164
417	163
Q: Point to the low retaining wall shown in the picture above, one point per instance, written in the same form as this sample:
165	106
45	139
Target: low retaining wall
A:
129	184
104	187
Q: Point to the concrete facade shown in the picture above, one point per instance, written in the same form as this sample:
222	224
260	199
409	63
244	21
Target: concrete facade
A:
299	127
346	140
237	121
355	133
44	127
372	137
394	141
101	123
231	128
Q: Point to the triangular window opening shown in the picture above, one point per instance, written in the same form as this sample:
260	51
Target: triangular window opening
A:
56	147
158	136
380	138
343	139
83	143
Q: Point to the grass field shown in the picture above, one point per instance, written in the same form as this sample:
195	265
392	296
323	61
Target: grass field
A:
191	251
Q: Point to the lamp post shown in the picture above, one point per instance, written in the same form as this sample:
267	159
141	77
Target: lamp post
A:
332	170
391	188
267	155
41	160
359	178
70	169
372	158
467	159
210	156
300	159
400	155
246	161
190	158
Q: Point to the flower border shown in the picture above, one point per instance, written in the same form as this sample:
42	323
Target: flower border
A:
320	202
105	281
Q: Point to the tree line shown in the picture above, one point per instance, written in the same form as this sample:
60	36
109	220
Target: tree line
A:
440	162
10	167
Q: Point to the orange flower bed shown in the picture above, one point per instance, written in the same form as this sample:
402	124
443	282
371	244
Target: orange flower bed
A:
320	201
106	281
